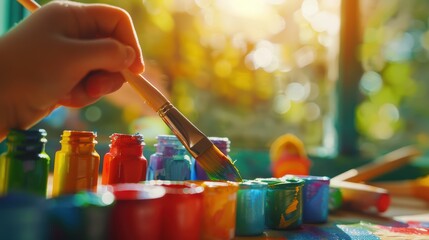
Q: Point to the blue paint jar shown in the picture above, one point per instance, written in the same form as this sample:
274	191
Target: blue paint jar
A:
170	162
84	215
250	216
315	199
23	216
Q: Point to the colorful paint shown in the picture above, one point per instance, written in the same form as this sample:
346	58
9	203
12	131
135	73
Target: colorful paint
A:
219	209
26	162
137	213
171	160
315	196
283	206
76	164
223	144
250	218
124	163
183	210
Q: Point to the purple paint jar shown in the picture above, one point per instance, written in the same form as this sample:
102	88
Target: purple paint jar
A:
315	196
170	162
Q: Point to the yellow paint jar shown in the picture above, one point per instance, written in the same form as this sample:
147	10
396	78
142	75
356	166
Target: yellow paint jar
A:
76	164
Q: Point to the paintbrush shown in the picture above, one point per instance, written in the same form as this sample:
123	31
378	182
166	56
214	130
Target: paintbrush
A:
362	197
418	188
212	160
384	164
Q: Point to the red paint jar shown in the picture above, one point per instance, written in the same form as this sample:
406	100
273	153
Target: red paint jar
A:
138	212
124	163
183	210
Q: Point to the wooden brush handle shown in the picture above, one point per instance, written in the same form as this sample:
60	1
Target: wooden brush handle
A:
30	5
154	98
386	163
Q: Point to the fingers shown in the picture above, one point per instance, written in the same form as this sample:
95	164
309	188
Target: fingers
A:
109	21
100	54
102	83
92	88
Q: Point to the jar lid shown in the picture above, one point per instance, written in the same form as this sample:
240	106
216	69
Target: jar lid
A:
127	138
252	184
269	181
137	191
177	187
217	186
309	178
282	183
38	135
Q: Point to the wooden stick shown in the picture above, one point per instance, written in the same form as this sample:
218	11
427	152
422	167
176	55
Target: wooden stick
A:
30	5
418	188
382	165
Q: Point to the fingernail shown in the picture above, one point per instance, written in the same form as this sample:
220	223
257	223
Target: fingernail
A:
130	55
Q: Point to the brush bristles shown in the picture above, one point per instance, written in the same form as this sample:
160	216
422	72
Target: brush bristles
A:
218	166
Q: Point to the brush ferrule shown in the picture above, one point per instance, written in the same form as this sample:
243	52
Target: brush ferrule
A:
192	138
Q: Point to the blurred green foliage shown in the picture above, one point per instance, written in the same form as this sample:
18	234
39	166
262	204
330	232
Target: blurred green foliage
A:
395	57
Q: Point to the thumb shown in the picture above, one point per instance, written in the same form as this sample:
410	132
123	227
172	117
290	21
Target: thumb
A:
102	54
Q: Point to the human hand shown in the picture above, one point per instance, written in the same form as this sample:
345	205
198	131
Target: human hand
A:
67	54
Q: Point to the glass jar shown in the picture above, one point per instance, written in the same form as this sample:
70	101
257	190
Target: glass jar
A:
171	160
223	144
76	164
125	162
26	164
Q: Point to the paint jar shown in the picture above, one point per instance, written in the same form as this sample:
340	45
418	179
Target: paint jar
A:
76	164
250	217
283	205
137	213
171	160
223	144
23	216
183	210
84	215
219	209
26	164
124	163
315	196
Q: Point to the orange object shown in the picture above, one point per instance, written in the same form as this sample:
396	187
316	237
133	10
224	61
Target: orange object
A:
124	163
288	157
76	164
219	209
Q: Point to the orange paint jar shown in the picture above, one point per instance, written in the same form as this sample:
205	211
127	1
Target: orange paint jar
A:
76	164
219	209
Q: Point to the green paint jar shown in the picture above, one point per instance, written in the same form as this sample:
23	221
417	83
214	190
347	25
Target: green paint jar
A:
27	164
283	205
